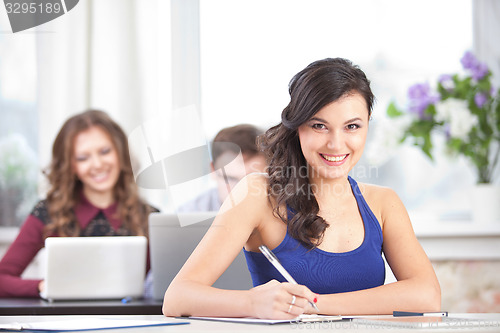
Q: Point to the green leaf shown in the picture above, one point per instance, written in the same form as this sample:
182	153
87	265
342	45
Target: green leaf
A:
444	93
392	111
427	146
462	87
484	85
430	110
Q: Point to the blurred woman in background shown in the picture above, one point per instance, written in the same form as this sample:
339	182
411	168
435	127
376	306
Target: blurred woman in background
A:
92	193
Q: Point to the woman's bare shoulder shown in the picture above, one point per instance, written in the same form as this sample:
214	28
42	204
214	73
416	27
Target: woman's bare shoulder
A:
251	191
381	199
376	192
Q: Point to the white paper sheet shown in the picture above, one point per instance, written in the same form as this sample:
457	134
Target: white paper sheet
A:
87	324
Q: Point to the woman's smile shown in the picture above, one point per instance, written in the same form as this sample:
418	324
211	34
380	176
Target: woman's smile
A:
333	140
334	159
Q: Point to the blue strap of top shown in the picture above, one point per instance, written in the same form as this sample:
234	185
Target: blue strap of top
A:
327	272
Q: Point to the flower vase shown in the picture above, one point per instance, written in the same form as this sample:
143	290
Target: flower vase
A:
486	203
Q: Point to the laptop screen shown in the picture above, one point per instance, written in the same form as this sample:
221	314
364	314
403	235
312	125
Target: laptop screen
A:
104	267
173	237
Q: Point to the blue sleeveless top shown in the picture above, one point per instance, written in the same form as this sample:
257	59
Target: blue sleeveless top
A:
327	272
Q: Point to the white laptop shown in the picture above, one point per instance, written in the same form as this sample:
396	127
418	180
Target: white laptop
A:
91	268
172	239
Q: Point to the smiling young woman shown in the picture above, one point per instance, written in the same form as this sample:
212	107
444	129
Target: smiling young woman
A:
92	193
328	231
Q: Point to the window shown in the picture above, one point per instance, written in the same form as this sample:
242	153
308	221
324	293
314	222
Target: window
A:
18	125
251	49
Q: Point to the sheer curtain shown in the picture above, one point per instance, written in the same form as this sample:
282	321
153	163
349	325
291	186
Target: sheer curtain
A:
486	45
486	32
112	55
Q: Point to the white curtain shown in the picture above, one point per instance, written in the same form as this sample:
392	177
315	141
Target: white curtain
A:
486	38
112	55
487	41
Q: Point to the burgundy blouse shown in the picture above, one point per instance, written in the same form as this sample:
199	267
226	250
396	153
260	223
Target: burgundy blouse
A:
93	221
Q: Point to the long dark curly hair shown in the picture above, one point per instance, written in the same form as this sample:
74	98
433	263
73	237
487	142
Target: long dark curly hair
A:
319	84
65	188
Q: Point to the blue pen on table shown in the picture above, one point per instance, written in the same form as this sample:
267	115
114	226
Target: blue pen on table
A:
422	314
126	299
276	263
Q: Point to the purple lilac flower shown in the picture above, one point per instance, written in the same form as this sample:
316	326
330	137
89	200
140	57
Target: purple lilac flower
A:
480	99
445	78
447	131
478	69
420	97
469	60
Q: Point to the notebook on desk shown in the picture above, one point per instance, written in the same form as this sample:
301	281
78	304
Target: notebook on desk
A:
173	237
91	268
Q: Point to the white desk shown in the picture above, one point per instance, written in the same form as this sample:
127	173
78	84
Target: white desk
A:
490	323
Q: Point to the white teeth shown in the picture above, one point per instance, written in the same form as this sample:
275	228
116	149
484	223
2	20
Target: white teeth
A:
100	176
334	158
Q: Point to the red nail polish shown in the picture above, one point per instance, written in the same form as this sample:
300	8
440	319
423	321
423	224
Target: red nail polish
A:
315	300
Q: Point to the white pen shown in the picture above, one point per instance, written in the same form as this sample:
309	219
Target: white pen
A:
276	263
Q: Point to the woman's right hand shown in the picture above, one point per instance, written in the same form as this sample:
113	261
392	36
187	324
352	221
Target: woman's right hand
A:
41	286
275	300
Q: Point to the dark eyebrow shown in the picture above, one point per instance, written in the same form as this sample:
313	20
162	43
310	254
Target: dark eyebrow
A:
318	119
346	122
353	120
